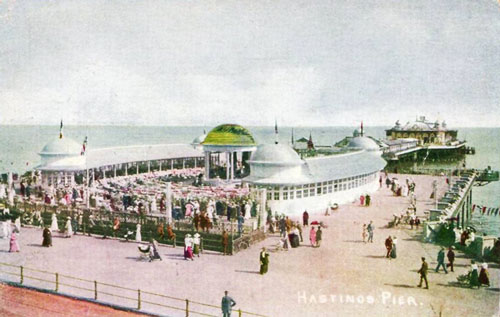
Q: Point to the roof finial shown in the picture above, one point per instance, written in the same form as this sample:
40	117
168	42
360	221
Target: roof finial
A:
293	141
275	131
362	134
61	130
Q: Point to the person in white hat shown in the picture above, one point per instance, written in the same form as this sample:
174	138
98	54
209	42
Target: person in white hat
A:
188	247
69	229
196	243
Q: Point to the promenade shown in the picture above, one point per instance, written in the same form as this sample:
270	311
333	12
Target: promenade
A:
342	277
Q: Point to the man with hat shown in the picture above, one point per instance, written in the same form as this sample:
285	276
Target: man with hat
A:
440	260
423	274
451	257
227	305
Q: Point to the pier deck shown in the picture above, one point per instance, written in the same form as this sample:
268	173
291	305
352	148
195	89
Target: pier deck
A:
342	267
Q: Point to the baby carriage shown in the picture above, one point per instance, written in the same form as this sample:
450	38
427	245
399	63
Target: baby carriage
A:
144	252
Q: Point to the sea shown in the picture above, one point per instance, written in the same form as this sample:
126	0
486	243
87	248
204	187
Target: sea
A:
20	144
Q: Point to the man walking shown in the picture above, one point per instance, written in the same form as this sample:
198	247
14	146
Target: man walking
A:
227	305
451	258
423	274
370	231
440	259
388	246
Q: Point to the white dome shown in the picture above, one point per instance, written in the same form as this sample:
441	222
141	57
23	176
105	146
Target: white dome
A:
199	139
279	154
62	146
364	143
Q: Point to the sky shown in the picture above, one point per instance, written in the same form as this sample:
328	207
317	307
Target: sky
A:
206	62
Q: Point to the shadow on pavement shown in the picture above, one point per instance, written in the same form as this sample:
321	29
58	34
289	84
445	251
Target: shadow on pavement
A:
400	285
375	256
251	272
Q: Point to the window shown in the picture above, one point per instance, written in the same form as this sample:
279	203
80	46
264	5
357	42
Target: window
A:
299	194
318	190
312	192
335	187
306	191
276	195
291	193
269	195
344	186
330	188
285	195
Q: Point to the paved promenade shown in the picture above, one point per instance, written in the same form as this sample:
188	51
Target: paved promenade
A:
342	277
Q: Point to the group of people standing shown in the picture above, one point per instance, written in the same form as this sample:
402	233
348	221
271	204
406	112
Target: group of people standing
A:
192	246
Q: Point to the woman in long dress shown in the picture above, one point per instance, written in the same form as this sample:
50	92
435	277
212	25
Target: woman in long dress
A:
54	226
69	229
14	246
473	275
264	261
312	237
47	238
393	250
138	237
484	275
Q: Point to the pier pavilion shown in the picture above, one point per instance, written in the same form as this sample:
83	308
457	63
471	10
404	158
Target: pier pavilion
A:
235	143
63	160
293	184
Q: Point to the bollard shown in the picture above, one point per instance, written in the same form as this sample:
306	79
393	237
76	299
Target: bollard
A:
22	275
57	282
95	290
187	307
138	299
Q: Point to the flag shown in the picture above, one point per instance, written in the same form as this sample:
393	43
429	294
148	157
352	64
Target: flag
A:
496	212
61	130
473	207
484	209
84	146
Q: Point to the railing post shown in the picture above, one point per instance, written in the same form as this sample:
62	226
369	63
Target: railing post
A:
187	307
95	290
57	282
175	242
22	275
138	299
239	312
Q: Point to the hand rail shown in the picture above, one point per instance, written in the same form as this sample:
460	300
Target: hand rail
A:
138	299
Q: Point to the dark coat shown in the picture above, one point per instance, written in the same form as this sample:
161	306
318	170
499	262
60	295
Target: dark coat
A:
423	269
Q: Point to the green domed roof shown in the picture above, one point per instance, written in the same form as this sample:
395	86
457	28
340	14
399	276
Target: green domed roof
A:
229	134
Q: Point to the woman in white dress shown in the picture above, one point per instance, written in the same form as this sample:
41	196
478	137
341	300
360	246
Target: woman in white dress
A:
248	210
69	229
54	226
138	237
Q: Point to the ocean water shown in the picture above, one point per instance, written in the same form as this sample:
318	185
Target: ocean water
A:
19	147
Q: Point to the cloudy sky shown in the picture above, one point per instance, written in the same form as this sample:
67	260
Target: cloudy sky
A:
204	62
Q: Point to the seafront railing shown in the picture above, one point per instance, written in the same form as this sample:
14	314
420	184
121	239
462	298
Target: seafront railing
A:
120	297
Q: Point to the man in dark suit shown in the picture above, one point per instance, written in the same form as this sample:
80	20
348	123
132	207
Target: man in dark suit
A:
423	274
227	305
388	246
305	218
